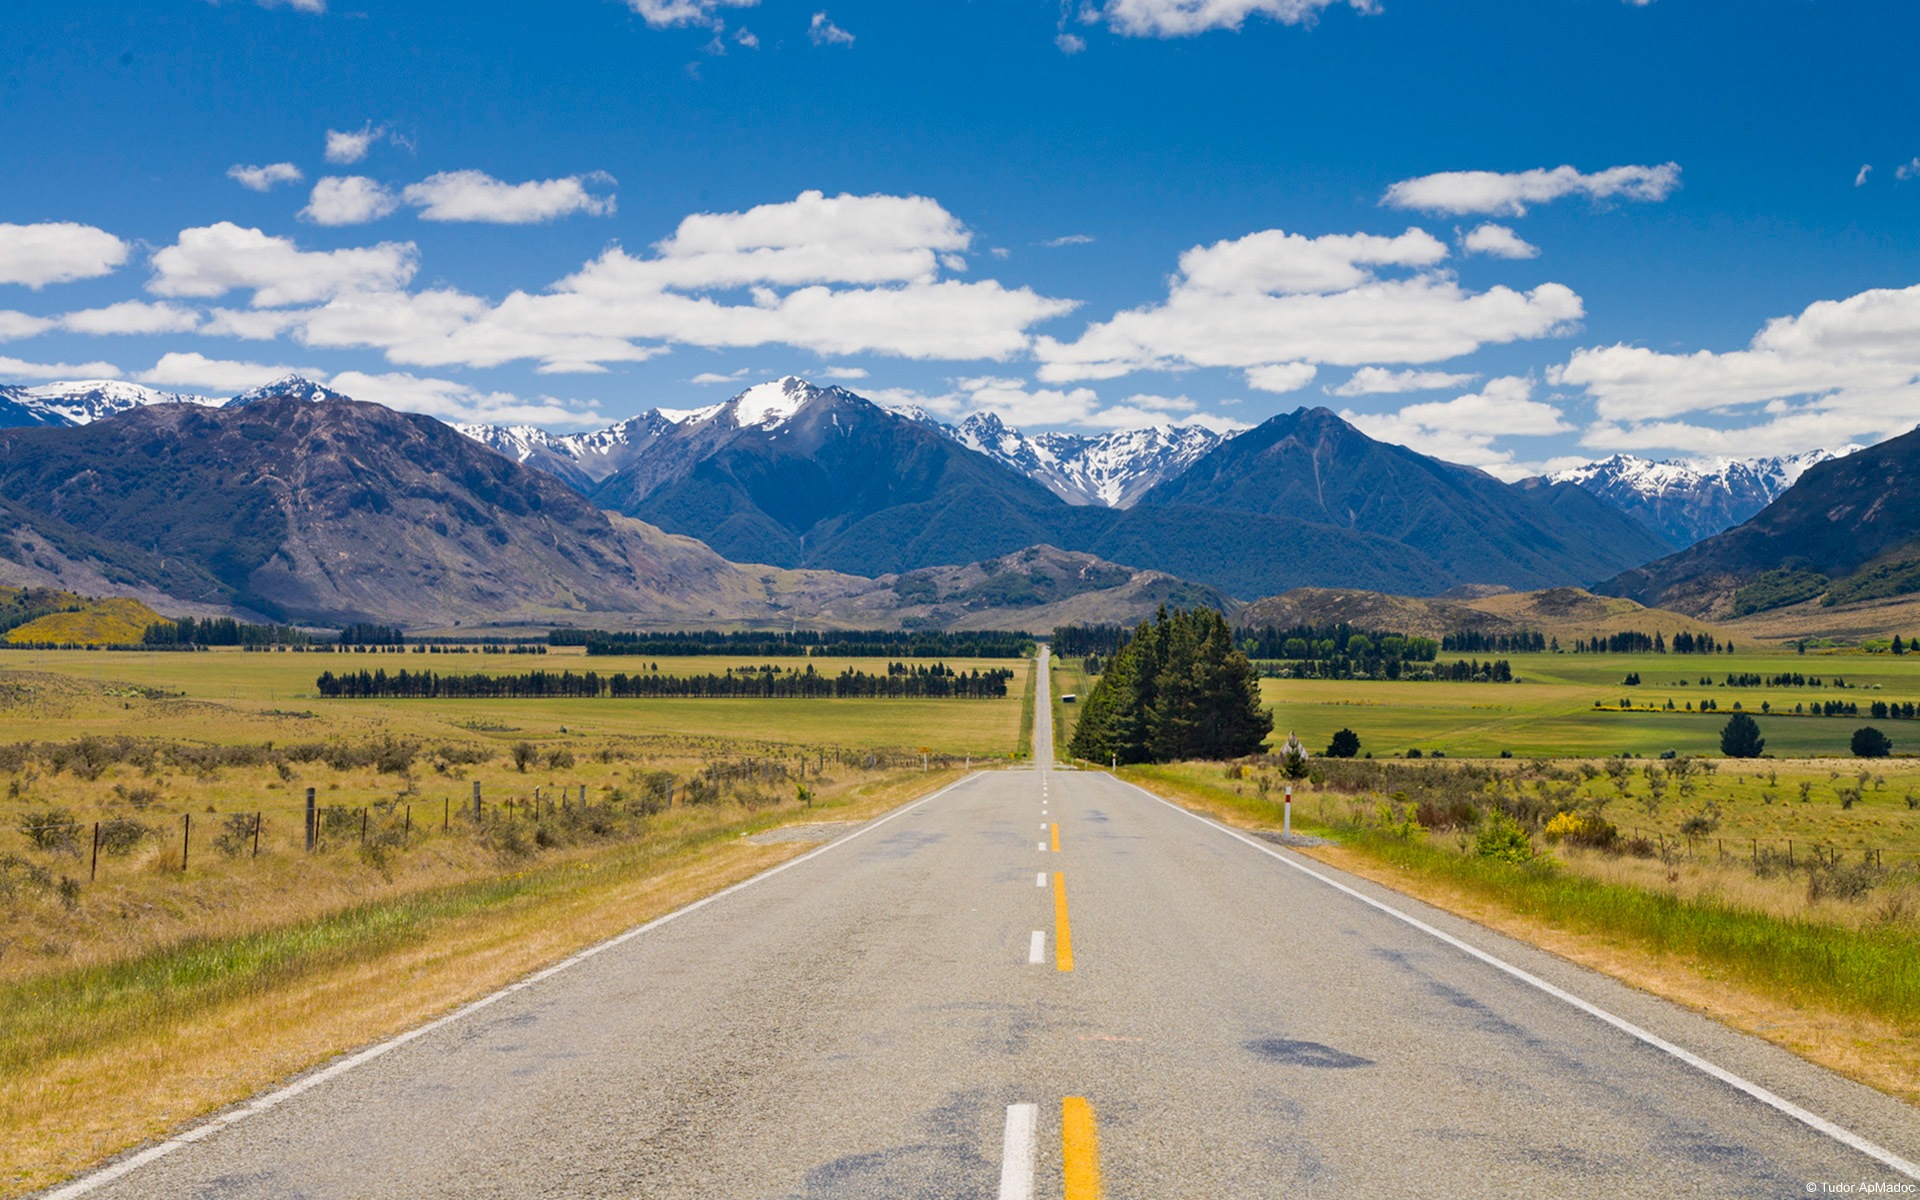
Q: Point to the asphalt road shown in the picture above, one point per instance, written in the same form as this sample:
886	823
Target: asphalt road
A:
892	1017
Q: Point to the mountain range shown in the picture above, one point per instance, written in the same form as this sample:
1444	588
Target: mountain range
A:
291	500
1687	499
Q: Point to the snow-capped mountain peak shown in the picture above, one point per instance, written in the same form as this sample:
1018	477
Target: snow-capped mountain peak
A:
82	401
771	404
1112	470
295	387
1687	499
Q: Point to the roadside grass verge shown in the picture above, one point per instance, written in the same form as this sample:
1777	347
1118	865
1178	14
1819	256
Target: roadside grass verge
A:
1027	700
101	1058
1845	996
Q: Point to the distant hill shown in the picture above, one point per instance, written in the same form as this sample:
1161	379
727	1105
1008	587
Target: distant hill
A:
1311	465
1848	531
68	619
1564	613
1041	587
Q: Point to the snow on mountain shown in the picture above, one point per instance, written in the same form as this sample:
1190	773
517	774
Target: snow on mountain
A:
81	402
296	386
1688	499
1112	470
770	404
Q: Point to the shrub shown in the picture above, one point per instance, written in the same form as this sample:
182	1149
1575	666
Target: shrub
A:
1502	838
236	834
560	759
523	755
1869	742
1581	829
1345	744
120	835
51	829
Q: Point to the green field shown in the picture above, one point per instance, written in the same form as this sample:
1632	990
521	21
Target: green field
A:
1550	710
228	696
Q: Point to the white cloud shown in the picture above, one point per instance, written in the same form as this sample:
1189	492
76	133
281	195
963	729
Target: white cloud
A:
222	376
661	14
1498	241
1070	43
1907	170
1460	193
1281	377
451	401
132	317
746	38
16	325
1463	429
1860	179
712	377
825	33
215	259
1184	18
812	238
14	368
1023	406
348	200
477	196
57	252
262	179
1378	381
1278	297
1840	370
1071	239
305	6
350	146
841	373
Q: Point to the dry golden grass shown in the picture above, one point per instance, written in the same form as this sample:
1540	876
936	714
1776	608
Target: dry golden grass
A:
1877	1053
85	1105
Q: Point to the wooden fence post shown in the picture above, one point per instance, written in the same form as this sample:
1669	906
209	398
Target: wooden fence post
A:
256	834
476	802
363	825
94	872
313	822
186	835
406	835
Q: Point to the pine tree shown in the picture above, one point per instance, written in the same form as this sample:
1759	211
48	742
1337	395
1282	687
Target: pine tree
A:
1740	738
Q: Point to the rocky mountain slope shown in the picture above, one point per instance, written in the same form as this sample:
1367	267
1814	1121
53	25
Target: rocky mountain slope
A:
1847	531
1687	499
1311	465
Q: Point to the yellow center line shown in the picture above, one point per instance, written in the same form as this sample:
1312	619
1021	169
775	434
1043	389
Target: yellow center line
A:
1080	1148
1056	837
1062	934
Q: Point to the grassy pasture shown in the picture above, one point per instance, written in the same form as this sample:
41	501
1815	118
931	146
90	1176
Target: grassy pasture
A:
1550	712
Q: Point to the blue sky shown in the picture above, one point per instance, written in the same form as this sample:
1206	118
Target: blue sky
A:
1509	232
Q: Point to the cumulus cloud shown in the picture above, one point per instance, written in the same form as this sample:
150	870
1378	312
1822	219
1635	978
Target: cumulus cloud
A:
1463	429
838	276
132	317
57	252
348	200
221	376
1907	170
15	368
1281	377
1279	297
1378	381
825	33
662	14
16	325
452	401
1069	43
477	196
1498	241
351	145
1462	193
1840	370
1022	405
263	179
216	259
1184	18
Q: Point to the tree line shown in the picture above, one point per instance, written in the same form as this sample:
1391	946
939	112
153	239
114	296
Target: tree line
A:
221	631
902	681
867	643
1332	643
1178	689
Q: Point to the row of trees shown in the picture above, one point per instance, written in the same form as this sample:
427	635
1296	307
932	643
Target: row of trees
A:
221	631
847	643
1632	641
1179	688
902	681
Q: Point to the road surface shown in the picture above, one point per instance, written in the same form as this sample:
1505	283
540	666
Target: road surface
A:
1045	982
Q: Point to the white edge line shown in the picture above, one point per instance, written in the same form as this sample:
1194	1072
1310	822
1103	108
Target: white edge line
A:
1781	1104
126	1166
1016	1156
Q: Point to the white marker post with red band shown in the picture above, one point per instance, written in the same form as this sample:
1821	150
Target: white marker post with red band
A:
1286	814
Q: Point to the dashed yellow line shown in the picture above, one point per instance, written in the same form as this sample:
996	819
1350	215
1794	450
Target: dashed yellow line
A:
1062	932
1080	1148
1056	837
